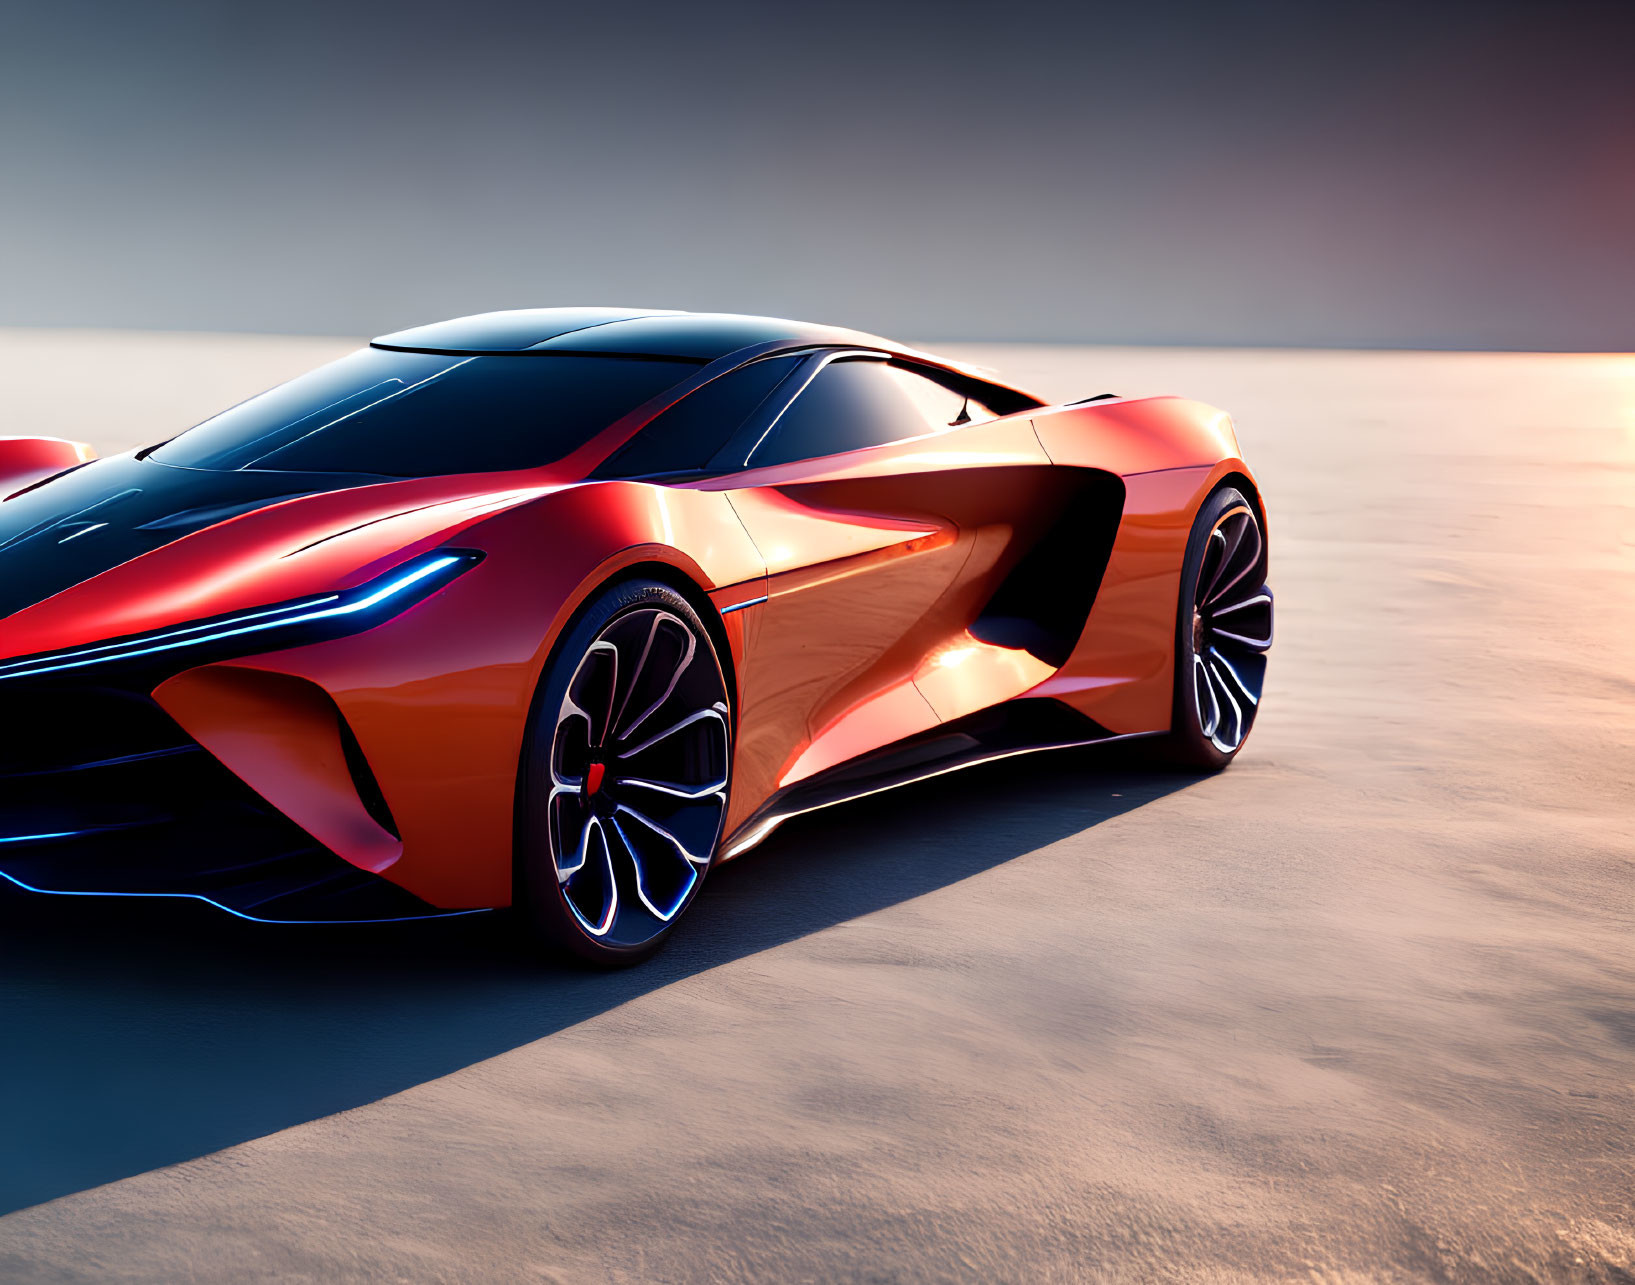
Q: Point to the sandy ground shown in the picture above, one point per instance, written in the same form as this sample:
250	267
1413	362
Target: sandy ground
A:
1362	1008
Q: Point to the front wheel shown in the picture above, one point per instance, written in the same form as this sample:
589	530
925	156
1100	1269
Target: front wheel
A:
624	779
1223	629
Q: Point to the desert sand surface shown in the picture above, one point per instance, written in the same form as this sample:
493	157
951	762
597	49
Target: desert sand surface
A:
1360	1008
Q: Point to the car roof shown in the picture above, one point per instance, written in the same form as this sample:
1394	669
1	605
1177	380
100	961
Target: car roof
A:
646	332
702	337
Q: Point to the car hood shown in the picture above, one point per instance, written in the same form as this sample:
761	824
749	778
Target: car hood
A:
124	544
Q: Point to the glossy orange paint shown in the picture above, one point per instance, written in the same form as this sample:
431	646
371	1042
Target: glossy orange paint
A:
281	736
1122	672
870	565
1171	453
26	460
880	560
1140	436
874	567
438	697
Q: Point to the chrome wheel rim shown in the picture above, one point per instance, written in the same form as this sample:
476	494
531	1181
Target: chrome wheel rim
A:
639	764
1231	629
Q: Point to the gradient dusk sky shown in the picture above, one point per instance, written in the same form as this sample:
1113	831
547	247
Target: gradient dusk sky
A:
1440	174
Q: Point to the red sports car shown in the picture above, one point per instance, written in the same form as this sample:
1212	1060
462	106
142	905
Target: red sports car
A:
558	608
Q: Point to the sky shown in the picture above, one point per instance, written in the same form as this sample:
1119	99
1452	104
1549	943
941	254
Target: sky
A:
1440	174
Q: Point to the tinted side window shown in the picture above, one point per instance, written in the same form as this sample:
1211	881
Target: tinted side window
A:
685	437
854	403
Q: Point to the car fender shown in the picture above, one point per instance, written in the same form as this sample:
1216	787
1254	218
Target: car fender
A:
438	697
1172	453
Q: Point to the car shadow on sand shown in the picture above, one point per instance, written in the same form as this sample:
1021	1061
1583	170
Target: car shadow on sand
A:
139	1034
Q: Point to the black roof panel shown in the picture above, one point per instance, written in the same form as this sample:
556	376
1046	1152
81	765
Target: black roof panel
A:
700	335
649	332
654	332
513	331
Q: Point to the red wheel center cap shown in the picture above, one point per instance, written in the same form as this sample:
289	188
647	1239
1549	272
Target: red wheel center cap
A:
593	777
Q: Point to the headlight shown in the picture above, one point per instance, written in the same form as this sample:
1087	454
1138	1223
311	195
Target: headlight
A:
284	625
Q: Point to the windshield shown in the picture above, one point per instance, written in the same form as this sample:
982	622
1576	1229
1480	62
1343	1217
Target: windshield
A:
406	414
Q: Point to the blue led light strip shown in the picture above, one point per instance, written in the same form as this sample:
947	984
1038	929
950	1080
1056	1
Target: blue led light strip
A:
196	896
739	606
177	633
302	612
312	609
237	914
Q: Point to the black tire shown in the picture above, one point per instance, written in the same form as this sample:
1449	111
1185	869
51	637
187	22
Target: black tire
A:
625	773
1223	627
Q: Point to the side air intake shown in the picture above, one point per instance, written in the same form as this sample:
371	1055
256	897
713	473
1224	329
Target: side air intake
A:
1042	605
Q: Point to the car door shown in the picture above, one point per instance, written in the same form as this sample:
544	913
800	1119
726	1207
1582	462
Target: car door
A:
871	492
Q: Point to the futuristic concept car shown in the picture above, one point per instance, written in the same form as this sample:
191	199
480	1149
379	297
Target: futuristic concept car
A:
558	608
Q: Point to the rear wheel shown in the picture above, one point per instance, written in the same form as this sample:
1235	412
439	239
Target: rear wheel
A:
1223	629
625	776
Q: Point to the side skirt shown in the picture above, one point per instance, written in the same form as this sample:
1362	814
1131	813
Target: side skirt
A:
1025	726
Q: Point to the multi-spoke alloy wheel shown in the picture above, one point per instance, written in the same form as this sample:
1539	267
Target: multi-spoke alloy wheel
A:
625	787
1224	630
